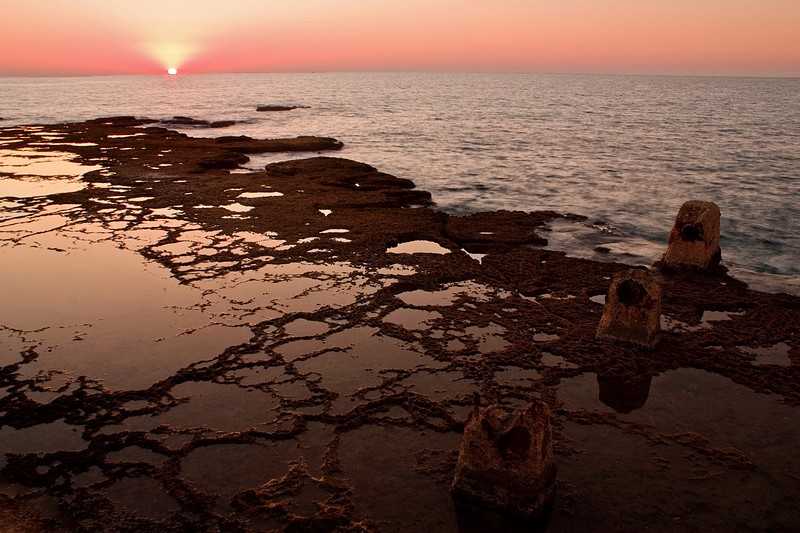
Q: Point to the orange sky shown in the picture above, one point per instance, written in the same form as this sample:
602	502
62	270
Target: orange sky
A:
737	37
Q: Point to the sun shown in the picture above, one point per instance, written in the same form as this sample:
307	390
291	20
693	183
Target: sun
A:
172	71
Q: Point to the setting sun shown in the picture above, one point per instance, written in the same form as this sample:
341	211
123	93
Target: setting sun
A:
172	71
746	37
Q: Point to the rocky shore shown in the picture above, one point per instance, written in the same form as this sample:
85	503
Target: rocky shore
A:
365	320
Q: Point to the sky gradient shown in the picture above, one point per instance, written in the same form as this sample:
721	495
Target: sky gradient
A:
706	37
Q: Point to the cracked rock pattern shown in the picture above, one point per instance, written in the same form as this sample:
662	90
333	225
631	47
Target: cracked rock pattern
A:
186	346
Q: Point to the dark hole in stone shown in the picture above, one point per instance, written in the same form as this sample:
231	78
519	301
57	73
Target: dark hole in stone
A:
516	442
630	292
692	232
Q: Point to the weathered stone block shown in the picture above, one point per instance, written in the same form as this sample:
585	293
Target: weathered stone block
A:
506	462
694	239
632	312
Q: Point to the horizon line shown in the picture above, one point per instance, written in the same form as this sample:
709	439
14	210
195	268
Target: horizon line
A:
415	71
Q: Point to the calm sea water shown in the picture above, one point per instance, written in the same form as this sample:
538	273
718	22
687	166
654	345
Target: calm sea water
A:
623	150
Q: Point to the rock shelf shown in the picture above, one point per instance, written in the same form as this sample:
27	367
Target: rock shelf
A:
188	345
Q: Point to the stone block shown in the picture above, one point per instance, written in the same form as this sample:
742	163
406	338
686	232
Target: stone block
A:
694	239
506	464
632	311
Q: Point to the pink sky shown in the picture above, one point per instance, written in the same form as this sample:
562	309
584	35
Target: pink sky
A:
735	37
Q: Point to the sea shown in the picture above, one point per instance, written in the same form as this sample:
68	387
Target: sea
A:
623	151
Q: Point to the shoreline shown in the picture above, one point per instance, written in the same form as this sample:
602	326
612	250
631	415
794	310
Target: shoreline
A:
517	324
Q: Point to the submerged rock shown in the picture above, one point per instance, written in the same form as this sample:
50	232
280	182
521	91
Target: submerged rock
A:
120	121
632	311
186	121
303	143
506	464
276	107
694	239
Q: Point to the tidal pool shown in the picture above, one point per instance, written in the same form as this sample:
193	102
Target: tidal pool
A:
27	173
172	367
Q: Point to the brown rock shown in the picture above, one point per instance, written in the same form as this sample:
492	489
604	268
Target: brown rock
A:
632	311
479	231
228	161
694	239
304	143
506	462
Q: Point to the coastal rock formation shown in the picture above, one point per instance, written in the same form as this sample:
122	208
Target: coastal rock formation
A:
632	311
276	107
120	121
303	143
483	231
194	154
506	462
186	121
291	374
694	239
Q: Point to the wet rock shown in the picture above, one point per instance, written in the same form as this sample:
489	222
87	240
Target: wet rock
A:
303	143
506	464
123	121
694	239
477	231
227	162
533	271
632	311
276	107
342	174
186	121
322	487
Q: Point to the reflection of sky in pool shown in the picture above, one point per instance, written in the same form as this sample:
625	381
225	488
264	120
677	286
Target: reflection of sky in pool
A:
31	173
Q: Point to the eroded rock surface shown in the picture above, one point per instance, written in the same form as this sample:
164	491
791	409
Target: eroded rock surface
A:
192	345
